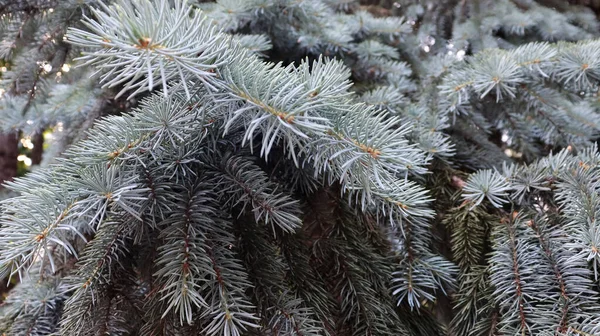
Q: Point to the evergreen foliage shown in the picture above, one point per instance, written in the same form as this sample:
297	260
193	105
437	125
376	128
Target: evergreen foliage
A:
313	167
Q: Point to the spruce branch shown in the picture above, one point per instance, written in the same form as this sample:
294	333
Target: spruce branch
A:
242	182
135	44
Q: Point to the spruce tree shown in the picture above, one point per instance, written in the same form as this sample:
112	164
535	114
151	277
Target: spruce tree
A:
300	167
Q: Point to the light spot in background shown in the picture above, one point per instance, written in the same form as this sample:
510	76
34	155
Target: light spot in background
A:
26	142
511	153
507	139
427	43
23	158
66	67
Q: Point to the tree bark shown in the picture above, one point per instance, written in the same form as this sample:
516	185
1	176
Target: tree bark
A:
38	148
9	150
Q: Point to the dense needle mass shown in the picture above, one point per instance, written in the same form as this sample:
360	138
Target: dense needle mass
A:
312	167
